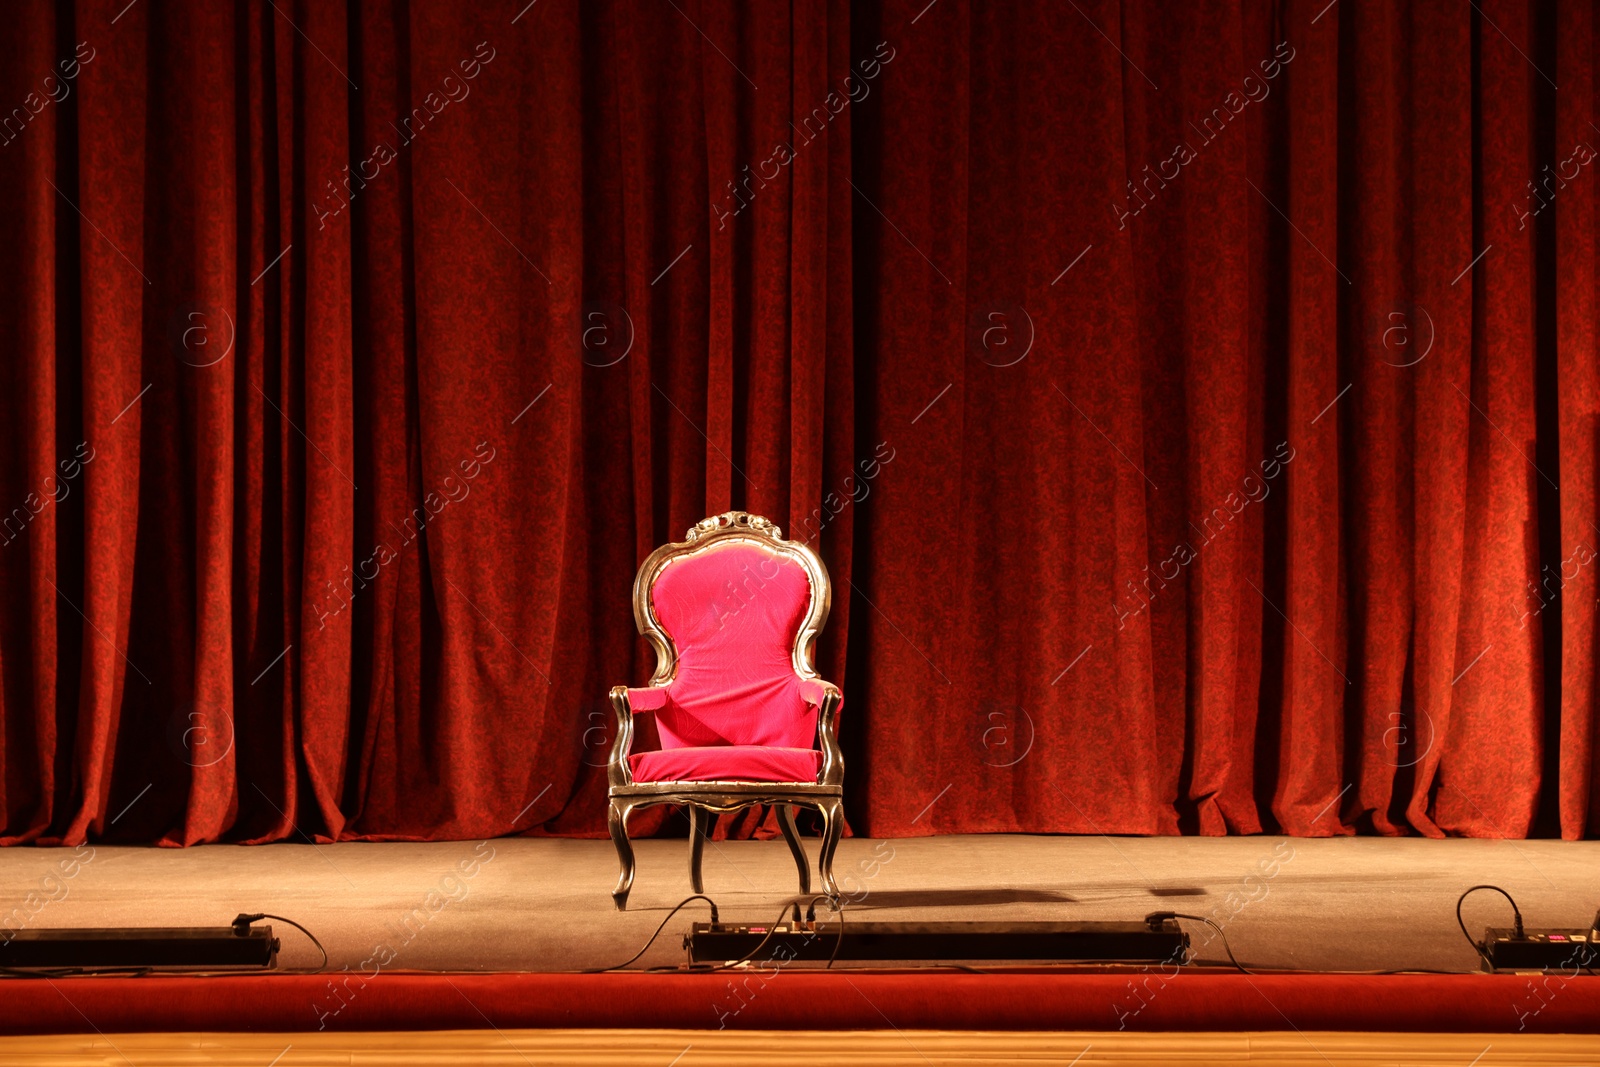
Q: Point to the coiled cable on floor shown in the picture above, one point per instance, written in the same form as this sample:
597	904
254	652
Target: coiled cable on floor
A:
242	921
1158	916
646	947
1478	947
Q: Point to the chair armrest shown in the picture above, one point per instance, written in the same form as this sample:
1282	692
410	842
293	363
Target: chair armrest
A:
814	691
826	698
649	698
625	703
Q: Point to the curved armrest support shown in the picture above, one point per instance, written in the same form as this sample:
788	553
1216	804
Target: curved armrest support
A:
826	698
622	703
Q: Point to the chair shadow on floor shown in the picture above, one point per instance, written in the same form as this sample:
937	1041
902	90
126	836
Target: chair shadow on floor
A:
970	896
958	897
951	898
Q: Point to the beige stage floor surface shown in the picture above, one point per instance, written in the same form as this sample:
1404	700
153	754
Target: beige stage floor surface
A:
513	904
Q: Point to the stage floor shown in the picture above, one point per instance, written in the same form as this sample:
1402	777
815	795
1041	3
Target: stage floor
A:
533	904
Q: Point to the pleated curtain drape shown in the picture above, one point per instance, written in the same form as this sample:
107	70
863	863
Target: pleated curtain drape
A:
1195	405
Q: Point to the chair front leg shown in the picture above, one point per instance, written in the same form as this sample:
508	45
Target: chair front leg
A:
617	819
698	829
832	809
791	834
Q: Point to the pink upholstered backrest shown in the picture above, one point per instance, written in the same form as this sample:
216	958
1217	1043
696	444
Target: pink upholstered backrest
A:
732	611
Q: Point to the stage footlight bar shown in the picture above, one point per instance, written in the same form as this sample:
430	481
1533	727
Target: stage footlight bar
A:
1557	950
884	942
156	948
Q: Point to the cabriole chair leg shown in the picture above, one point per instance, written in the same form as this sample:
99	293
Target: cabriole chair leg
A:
791	834
832	810
617	819
699	828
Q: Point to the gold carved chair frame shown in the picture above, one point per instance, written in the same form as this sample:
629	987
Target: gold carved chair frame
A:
704	797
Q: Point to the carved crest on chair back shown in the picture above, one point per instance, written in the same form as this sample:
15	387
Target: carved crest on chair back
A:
734	520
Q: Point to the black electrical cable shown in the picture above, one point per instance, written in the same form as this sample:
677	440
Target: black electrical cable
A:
1154	916
58	972
1157	916
1257	969
748	956
1477	946
836	905
82	972
811	914
681	905
242	922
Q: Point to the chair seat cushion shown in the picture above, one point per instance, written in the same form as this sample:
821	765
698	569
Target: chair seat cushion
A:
757	763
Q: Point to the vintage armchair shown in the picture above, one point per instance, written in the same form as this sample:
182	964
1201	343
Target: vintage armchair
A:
733	613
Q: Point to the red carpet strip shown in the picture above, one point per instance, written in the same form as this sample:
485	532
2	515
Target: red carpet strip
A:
793	1000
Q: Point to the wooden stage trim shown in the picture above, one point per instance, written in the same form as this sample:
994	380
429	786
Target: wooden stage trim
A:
782	1048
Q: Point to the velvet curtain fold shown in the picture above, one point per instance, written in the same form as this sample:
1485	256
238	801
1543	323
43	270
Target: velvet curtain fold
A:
1195	407
1286	519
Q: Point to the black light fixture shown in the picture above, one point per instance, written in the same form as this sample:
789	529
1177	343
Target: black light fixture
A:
189	948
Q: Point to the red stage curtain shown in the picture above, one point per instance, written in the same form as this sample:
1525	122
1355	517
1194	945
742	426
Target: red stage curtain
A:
1195	406
1263	369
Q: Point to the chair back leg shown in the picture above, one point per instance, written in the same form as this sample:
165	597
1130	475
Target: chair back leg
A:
617	819
699	827
791	834
832	810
